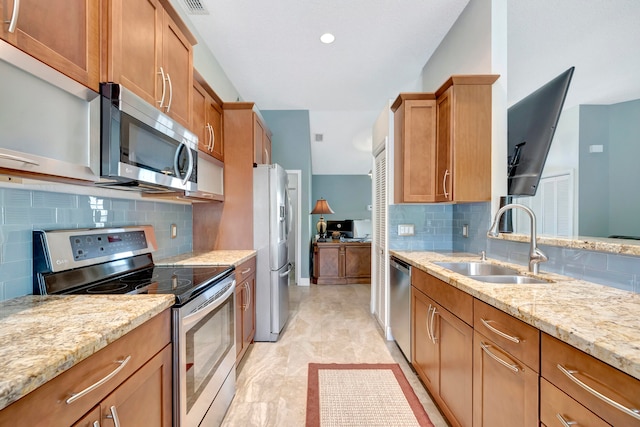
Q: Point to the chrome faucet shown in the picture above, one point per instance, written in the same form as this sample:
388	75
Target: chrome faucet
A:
536	256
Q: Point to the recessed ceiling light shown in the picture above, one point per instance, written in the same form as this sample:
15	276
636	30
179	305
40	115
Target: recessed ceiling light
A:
327	38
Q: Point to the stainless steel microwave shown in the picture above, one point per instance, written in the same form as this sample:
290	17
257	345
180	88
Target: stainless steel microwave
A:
141	148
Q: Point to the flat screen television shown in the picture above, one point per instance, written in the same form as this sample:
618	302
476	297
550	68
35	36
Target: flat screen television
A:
531	124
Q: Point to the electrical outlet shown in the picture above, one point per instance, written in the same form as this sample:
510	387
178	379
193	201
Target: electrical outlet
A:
405	230
174	231
465	230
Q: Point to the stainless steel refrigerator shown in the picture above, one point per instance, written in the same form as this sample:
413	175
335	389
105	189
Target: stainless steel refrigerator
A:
271	224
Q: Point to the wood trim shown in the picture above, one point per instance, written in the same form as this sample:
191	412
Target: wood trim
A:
411	96
467	79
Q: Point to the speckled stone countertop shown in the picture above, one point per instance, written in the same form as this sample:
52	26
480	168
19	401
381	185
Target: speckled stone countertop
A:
43	336
229	257
600	244
599	320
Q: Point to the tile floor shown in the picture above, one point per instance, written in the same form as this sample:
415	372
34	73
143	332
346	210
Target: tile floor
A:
328	324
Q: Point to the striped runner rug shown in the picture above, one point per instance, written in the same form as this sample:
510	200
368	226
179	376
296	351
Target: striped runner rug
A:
340	395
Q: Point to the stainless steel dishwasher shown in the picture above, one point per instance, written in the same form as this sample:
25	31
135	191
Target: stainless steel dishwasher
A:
400	304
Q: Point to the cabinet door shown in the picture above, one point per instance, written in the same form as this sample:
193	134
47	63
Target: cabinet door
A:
135	31
239	318
177	59
505	390
214	120
444	170
200	100
559	410
92	419
425	355
249	312
358	261
144	399
258	140
326	265
415	151
266	149
64	34
455	341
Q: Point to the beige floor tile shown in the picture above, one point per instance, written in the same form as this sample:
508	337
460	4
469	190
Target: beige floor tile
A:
327	324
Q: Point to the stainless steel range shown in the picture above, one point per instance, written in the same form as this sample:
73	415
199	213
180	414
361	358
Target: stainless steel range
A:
119	261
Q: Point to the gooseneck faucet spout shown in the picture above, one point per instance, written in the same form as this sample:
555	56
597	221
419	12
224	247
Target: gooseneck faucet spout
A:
536	256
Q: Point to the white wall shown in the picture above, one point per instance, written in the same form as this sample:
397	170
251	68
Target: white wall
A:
477	44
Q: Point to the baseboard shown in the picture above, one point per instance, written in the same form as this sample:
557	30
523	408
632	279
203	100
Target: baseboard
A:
304	281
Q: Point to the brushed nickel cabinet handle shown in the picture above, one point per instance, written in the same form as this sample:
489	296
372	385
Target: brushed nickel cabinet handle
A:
76	396
14	16
164	87
246	270
444	184
564	422
426	321
498	332
246	284
170	93
213	138
114	416
433	332
635	413
513	367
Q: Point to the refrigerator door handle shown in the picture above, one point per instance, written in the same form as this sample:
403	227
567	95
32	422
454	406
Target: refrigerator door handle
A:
286	273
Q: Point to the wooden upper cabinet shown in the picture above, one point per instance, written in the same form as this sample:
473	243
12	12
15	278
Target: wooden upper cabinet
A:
443	142
258	140
148	50
65	34
206	118
415	148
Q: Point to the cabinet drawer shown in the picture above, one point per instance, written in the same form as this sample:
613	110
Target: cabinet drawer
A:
556	406
583	373
244	270
48	402
513	335
456	301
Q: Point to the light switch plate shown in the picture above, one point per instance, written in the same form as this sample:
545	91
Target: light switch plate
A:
406	230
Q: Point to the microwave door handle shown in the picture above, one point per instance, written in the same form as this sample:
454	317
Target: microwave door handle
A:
175	162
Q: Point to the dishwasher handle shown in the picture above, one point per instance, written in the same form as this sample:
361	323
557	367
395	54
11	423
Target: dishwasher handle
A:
403	267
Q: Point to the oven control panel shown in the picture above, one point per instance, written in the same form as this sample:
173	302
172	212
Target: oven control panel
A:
90	246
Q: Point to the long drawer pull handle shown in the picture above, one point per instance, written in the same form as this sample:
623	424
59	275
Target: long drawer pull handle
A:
19	159
569	373
114	416
164	87
246	270
514	367
566	423
498	332
76	396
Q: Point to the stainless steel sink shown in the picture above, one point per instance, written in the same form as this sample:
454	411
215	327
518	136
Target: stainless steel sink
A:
508	279
477	268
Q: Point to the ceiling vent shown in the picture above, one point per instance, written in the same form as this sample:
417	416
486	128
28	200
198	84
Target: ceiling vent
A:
319	137
195	7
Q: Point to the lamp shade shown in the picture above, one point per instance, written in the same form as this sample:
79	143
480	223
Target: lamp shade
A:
322	207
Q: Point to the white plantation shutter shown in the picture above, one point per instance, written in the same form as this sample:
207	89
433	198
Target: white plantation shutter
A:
380	234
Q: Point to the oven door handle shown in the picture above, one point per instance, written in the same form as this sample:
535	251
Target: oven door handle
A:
201	312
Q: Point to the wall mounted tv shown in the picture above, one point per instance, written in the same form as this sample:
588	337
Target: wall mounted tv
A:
531	124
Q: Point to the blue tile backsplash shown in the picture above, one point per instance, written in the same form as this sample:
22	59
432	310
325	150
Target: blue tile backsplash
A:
25	210
439	227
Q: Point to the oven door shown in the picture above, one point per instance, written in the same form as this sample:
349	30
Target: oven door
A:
204	353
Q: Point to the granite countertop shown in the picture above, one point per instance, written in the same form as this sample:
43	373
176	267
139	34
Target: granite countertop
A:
599	320
43	336
220	257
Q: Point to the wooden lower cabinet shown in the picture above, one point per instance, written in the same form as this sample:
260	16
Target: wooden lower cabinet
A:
557	408
590	382
505	390
341	263
140	392
245	306
443	357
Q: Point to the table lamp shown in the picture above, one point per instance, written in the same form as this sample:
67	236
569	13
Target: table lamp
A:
322	207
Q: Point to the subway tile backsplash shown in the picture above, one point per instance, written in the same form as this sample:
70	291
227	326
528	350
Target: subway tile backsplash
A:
439	227
25	210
